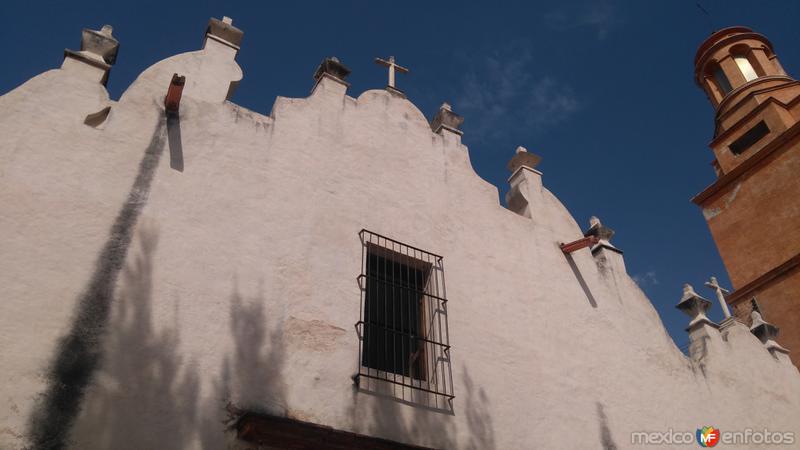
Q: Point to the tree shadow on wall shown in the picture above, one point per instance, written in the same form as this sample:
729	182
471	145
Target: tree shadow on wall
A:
479	420
431	426
147	395
144	396
386	420
78	353
606	439
251	380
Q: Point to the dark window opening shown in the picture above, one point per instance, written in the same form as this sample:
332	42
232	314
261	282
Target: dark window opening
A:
747	140
395	290
722	80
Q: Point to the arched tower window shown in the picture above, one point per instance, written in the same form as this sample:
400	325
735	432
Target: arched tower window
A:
745	67
720	79
747	62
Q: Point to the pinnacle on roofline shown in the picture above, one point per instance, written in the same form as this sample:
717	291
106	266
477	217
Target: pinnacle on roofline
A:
224	31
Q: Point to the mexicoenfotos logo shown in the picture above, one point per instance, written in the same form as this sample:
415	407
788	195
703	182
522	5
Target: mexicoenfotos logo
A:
707	436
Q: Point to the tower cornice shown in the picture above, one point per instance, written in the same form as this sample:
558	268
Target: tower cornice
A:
735	97
777	145
725	110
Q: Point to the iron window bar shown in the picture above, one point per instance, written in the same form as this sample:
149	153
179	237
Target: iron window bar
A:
363	277
359	329
402	330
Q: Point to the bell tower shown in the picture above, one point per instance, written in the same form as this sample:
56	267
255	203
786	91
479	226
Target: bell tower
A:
753	208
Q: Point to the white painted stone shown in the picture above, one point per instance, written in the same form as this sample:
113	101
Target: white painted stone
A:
241	277
525	192
81	69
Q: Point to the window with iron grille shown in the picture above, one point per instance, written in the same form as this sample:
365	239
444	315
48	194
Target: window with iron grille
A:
403	334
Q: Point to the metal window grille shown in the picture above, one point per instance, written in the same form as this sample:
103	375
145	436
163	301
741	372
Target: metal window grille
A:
402	329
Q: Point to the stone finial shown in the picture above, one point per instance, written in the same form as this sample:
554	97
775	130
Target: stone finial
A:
525	194
604	235
523	158
688	293
766	333
333	67
695	306
758	321
446	119
98	49
100	43
224	31
596	228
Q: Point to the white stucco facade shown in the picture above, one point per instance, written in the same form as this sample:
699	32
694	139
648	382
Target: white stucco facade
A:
238	283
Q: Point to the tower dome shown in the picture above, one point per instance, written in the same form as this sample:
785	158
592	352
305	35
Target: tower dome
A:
733	61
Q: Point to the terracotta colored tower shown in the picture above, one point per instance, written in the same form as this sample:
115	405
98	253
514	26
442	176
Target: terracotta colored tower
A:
753	208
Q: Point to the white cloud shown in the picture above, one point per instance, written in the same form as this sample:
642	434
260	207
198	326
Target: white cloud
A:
602	17
646	279
504	90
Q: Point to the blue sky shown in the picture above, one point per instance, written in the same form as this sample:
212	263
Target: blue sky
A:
602	90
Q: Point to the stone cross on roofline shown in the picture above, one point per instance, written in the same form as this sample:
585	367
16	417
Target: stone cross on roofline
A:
393	66
720	291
